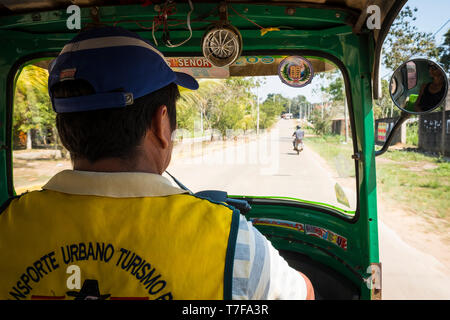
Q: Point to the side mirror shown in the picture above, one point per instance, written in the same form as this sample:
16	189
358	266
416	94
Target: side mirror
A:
418	86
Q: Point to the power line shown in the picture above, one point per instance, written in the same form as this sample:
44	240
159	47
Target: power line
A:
441	27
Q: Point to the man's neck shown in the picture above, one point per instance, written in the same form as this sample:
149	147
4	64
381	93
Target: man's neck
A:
114	165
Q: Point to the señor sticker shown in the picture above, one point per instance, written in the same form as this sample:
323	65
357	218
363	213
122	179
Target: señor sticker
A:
295	71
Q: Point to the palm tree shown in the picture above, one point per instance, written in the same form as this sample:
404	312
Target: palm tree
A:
191	102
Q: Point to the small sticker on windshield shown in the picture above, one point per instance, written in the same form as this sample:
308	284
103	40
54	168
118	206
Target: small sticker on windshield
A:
295	71
267	60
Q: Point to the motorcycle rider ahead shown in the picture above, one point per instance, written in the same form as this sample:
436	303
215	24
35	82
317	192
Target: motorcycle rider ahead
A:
298	140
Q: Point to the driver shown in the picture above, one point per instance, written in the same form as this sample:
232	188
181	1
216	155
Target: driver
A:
114	227
431	93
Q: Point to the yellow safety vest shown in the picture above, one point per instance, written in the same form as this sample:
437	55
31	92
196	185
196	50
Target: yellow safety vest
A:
55	245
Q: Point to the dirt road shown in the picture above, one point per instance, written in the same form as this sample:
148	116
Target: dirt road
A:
407	272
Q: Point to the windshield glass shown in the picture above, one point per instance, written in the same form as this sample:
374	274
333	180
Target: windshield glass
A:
237	133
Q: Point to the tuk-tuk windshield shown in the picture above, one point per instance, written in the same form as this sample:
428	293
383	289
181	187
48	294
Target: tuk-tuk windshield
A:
243	131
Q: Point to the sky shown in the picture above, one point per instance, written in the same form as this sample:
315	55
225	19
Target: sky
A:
431	15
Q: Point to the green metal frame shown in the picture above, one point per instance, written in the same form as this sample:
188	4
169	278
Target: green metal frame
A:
310	31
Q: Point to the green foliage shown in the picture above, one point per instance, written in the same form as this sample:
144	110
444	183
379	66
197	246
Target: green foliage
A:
187	112
384	107
223	104
412	133
272	107
444	52
230	105
405	41
194	104
298	103
32	106
322	120
335	90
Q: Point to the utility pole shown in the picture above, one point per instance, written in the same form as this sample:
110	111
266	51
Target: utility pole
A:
443	128
257	110
201	121
346	120
323	104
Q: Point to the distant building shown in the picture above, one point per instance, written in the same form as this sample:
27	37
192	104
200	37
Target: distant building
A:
338	126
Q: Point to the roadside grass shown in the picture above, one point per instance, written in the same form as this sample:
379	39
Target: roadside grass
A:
412	180
417	181
335	151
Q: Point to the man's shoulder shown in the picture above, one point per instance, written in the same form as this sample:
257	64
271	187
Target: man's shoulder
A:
16	198
214	203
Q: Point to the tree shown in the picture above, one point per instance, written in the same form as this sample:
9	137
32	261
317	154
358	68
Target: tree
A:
298	103
193	104
322	119
335	94
272	108
405	41
384	107
444	52
32	106
230	105
218	104
279	100
336	90
332	87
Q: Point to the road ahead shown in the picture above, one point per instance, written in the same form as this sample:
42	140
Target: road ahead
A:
269	166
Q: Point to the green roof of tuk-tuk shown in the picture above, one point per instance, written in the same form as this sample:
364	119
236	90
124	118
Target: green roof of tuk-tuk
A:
309	21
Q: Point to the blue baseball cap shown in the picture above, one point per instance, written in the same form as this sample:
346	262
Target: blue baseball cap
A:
120	66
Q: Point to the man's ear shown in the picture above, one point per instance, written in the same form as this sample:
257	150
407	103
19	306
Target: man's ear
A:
161	126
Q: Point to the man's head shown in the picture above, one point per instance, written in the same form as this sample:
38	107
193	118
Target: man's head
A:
115	100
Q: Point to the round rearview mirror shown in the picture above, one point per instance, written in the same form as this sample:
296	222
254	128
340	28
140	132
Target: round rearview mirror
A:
418	86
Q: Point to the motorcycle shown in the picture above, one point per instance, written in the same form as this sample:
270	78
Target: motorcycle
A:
298	145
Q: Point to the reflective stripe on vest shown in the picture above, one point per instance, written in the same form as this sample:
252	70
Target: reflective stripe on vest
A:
60	246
